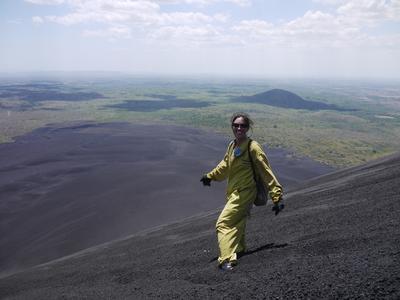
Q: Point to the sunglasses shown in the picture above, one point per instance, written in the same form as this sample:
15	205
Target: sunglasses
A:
239	125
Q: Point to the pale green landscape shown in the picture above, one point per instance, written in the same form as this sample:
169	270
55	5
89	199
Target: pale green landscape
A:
368	127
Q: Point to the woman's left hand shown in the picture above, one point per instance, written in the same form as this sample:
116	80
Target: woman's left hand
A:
278	206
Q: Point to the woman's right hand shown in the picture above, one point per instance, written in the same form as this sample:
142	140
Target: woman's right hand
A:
205	180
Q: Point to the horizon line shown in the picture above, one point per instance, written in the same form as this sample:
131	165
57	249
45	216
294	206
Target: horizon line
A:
201	75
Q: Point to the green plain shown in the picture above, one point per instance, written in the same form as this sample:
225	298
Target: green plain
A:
337	138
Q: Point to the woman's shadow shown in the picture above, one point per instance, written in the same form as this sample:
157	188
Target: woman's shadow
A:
261	248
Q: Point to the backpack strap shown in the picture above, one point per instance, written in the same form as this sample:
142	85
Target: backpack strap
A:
232	143
251	160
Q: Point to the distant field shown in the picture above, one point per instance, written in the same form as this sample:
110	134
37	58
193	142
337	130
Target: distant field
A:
367	128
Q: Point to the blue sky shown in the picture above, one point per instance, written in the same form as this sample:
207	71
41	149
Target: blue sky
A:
297	38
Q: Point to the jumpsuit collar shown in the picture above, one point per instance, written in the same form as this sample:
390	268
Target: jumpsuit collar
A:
243	146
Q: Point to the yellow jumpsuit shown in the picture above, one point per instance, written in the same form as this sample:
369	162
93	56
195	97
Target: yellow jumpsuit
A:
240	194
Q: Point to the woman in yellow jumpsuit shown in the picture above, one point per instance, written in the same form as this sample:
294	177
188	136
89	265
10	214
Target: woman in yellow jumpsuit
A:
241	190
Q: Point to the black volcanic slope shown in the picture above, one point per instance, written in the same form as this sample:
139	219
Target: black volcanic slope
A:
154	105
286	99
339	238
67	187
35	93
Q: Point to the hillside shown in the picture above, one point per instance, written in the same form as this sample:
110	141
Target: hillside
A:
337	239
285	99
87	183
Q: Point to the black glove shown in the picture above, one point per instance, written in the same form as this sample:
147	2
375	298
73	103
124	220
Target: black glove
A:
278	207
205	180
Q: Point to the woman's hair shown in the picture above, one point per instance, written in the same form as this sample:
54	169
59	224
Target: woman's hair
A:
245	117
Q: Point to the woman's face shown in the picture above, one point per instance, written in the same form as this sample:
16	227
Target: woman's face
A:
240	128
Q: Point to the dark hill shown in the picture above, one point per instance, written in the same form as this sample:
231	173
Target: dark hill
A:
286	99
339	238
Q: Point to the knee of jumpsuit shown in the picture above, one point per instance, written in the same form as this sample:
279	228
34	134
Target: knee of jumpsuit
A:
232	222
235	209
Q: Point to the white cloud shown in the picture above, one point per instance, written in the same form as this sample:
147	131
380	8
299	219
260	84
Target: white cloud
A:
184	18
122	18
345	27
205	2
139	13
45	2
220	17
185	32
369	11
112	33
365	11
109	12
128	3
240	2
313	29
258	26
340	37
37	19
314	23
330	2
255	30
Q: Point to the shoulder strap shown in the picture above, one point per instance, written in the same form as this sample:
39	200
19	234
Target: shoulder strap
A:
251	160
230	146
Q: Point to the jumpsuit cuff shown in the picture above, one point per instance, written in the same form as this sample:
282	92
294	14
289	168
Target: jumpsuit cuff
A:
276	200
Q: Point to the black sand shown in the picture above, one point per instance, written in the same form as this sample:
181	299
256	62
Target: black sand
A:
65	188
339	238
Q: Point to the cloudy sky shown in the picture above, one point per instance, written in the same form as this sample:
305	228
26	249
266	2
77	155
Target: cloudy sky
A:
289	38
